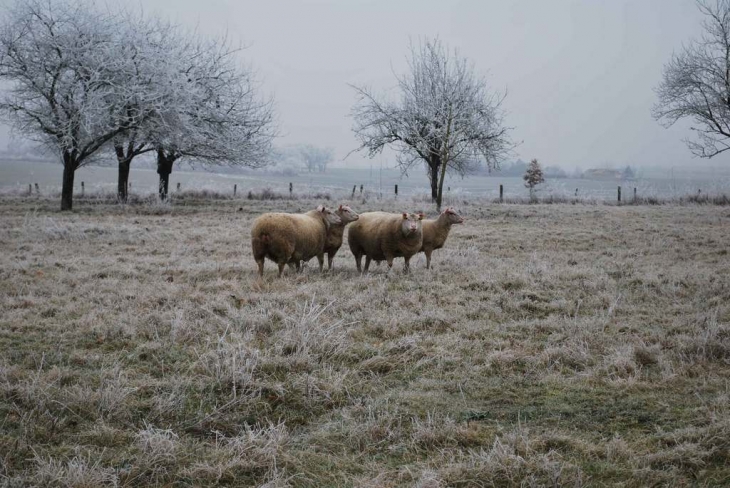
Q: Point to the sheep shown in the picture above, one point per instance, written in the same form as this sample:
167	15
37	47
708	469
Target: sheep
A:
286	238
333	242
383	236
435	232
334	236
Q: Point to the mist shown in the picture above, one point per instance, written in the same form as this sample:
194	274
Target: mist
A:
579	75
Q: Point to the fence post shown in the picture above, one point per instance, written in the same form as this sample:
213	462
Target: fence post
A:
291	190
30	189
634	194
360	190
396	191
576	192
501	193
354	187
235	187
129	187
178	186
619	194
37	189
82	188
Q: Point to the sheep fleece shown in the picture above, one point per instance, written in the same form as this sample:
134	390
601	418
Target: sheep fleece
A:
290	236
378	235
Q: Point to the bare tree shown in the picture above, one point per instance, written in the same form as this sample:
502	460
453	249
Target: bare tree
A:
696	83
218	115
446	117
315	158
533	176
147	46
62	63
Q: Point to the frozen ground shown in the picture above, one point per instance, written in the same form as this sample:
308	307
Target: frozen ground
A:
550	345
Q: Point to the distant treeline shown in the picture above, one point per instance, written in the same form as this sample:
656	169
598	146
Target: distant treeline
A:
517	169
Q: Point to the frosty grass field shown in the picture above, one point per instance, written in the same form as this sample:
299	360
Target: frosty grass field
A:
578	345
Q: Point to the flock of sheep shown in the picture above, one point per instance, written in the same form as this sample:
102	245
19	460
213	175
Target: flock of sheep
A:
290	239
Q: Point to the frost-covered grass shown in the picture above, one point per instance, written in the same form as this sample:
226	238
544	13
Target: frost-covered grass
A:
554	345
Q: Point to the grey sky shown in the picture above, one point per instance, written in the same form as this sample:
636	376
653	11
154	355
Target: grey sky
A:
579	73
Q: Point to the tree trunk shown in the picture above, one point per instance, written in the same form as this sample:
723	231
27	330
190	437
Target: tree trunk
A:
124	160
433	167
67	190
442	177
164	182
123	180
164	168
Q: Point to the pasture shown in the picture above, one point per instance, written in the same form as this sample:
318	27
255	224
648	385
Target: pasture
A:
575	345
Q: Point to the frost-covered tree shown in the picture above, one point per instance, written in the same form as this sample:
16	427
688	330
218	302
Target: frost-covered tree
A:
533	176
218	115
63	71
446	117
146	45
696	84
315	158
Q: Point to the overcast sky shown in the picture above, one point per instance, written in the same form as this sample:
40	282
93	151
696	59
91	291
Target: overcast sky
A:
579	73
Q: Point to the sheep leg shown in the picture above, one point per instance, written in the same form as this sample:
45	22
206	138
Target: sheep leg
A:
320	258
330	259
367	263
282	265
407	266
358	262
428	259
389	259
260	262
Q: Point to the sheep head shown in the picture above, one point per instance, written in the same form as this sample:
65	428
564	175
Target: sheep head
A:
452	216
411	224
329	216
347	214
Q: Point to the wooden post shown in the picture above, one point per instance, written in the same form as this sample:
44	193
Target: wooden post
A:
634	193
501	193
354	187
129	187
619	194
37	189
360	190
82	188
235	187
178	186
291	190
30	189
576	192
396	190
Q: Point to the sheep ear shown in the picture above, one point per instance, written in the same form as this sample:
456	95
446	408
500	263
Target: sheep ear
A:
320	208
340	208
405	215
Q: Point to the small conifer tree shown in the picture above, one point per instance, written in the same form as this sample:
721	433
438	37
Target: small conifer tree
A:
533	177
